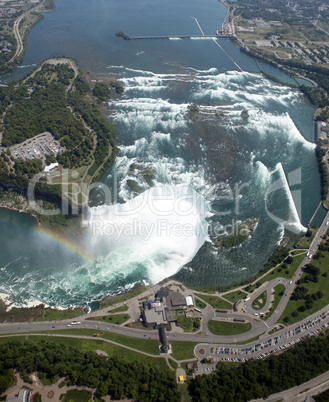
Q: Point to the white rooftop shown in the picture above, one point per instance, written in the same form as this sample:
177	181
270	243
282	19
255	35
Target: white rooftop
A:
50	167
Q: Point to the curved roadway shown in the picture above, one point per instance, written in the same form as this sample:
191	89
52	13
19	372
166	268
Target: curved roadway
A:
17	35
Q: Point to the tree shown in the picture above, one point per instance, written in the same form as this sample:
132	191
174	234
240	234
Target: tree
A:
102	91
289	260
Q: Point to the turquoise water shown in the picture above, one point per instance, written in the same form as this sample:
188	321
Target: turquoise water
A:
302	81
249	135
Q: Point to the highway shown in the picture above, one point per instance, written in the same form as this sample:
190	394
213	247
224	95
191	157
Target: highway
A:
299	393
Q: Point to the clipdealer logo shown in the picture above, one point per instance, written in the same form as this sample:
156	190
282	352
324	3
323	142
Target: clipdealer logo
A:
231	198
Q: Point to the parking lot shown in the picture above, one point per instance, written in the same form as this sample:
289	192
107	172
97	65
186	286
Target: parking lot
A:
265	347
37	147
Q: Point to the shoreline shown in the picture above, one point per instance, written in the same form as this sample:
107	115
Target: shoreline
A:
13	209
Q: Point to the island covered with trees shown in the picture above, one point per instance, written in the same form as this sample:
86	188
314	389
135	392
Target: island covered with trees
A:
52	118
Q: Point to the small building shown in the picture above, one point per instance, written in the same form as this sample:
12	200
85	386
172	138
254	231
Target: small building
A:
23	396
189	301
50	167
321	132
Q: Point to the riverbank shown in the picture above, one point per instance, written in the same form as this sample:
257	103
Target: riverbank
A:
16	31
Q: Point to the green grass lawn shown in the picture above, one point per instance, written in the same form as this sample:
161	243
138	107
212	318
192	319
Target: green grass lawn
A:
281	272
228	328
216	302
277	298
235	296
94	344
51	314
116	319
183	350
296	252
313	287
260	301
111	300
199	303
150	346
305	242
119	309
173	364
76	396
185	322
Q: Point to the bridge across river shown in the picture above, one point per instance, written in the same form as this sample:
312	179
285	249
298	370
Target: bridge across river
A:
174	36
219	33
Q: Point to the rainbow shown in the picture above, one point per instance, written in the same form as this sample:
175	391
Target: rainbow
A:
66	242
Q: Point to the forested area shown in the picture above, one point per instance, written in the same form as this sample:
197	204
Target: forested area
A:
45	109
6	56
106	148
324	176
279	255
102	91
41	104
260	378
233	240
113	376
122	378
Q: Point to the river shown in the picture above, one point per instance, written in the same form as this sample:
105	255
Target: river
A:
247	140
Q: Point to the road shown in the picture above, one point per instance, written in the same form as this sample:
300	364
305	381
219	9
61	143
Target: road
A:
268	287
298	394
284	338
289	284
17	35
258	327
